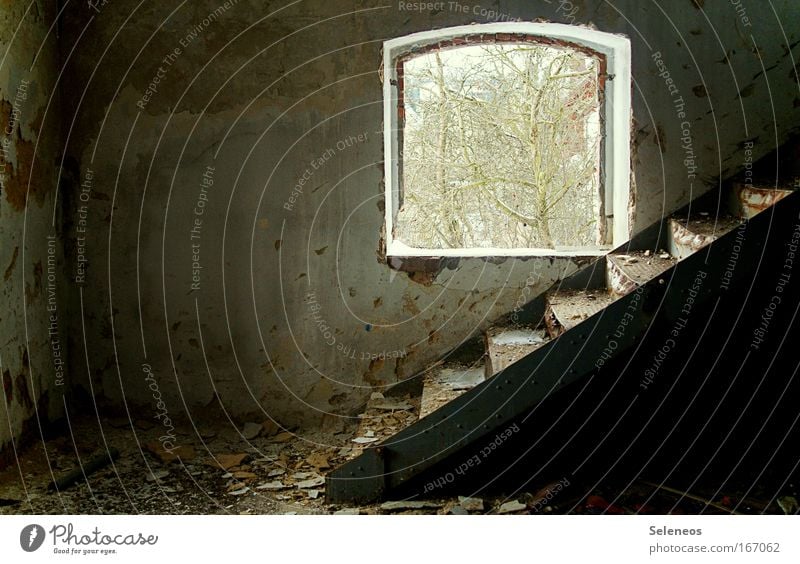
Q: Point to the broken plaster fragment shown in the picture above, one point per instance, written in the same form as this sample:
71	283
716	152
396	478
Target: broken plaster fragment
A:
365	440
251	430
348	511
312	483
404	505
274	485
511	507
471	503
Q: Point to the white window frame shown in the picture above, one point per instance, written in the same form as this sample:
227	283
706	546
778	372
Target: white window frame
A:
616	160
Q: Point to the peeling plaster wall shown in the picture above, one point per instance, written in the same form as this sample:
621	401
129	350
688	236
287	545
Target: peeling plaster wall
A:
279	305
31	258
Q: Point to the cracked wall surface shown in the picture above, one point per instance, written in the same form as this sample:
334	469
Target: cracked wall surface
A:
194	247
32	321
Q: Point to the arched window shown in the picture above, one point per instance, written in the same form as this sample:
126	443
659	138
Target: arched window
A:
507	139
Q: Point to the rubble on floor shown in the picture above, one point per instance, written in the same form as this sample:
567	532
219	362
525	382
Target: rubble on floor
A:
219	471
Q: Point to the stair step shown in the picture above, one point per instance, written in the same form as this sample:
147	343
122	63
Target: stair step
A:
627	272
406	465
446	384
567	308
689	236
752	199
505	346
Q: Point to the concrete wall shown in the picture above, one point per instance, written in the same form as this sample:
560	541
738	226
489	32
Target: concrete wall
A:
189	124
32	359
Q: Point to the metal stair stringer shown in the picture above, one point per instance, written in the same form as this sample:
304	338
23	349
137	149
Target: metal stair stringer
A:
477	415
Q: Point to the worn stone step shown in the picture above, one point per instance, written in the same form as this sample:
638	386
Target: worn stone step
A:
753	198
446	384
626	272
567	308
505	346
688	236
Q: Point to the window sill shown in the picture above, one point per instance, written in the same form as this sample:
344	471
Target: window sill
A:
436	260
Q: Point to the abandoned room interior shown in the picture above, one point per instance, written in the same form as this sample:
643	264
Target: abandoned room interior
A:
365	257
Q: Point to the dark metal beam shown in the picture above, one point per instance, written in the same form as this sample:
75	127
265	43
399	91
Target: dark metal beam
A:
491	406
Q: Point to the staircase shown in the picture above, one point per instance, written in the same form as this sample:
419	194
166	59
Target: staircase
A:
584	329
